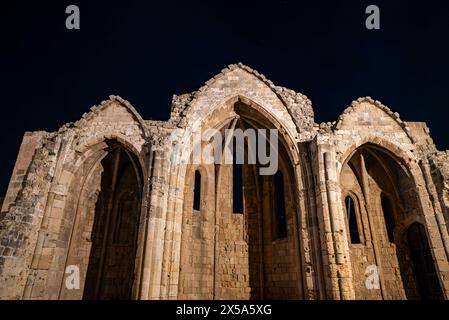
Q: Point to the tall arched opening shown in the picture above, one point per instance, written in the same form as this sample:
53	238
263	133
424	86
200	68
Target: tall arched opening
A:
243	242
110	272
102	220
386	262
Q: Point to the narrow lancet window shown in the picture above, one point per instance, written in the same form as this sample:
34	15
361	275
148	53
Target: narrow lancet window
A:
387	209
352	220
197	191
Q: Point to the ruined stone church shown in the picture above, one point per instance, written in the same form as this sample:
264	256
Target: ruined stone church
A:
100	209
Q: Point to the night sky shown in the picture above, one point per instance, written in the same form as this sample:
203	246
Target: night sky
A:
148	51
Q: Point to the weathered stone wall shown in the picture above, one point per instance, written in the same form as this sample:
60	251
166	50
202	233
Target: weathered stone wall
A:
281	256
362	256
439	166
233	261
198	238
31	141
20	224
243	260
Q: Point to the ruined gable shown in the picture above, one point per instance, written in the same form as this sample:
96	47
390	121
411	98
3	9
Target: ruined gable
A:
366	116
112	118
291	108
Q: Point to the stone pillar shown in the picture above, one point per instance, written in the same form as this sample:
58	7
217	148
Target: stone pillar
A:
435	224
172	239
150	287
372	231
324	225
341	247
442	228
334	235
312	244
41	269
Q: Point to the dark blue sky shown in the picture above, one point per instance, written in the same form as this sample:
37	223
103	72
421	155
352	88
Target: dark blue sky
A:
148	51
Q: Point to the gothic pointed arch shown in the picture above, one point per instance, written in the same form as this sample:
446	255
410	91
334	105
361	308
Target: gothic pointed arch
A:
245	240
101	222
389	204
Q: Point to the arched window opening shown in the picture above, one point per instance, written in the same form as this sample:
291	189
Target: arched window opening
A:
237	184
378	173
387	209
197	191
281	219
352	220
113	245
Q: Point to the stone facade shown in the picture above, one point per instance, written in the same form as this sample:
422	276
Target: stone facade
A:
365	204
